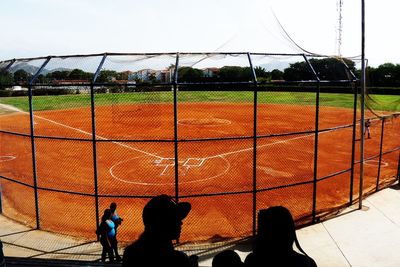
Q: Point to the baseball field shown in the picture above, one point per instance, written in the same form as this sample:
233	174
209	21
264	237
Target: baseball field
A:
131	157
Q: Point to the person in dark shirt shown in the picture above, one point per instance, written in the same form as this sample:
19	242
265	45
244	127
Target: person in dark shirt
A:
274	241
117	222
162	219
106	231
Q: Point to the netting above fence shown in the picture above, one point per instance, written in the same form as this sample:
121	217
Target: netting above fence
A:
136	69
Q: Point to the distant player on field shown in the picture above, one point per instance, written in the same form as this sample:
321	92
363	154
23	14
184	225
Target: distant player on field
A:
367	124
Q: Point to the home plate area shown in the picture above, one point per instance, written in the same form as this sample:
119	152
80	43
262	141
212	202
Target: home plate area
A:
183	165
149	170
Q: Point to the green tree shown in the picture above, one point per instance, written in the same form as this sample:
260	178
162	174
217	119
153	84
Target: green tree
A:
325	68
58	75
122	75
189	74
41	79
276	74
152	78
297	71
387	74
106	76
6	79
262	73
78	74
235	74
21	76
333	68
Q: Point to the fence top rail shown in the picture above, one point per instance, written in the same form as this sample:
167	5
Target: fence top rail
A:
163	53
158	67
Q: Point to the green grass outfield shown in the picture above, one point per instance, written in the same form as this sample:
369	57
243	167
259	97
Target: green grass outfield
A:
54	102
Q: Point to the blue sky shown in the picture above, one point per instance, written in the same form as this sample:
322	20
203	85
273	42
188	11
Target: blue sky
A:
60	27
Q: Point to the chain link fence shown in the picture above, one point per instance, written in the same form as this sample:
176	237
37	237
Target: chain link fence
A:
231	133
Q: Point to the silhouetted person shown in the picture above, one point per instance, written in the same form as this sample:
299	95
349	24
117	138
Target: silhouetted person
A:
2	259
227	258
162	218
117	221
274	242
106	231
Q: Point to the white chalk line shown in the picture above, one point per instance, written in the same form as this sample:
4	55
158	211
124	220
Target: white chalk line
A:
261	146
156	156
217	122
163	184
376	162
7	158
159	157
222	156
97	136
9	107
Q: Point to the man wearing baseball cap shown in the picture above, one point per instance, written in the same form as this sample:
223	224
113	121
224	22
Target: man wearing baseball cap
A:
162	219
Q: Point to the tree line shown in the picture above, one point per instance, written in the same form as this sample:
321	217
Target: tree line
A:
385	75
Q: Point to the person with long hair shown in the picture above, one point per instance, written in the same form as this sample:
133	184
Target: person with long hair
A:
274	241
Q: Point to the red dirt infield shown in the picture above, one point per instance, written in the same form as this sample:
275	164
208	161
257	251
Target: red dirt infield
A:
135	157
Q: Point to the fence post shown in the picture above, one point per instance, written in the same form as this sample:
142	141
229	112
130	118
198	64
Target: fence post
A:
315	178
353	81
255	104
33	144
353	143
362	104
94	146
317	100
176	166
380	155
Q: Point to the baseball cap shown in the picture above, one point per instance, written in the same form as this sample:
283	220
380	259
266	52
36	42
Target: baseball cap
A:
164	207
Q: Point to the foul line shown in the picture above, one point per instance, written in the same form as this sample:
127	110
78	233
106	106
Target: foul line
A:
97	136
261	146
159	157
7	158
100	137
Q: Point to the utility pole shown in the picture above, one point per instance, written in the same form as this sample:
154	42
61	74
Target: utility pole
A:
340	28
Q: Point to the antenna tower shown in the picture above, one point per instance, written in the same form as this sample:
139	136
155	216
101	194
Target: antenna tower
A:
340	27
